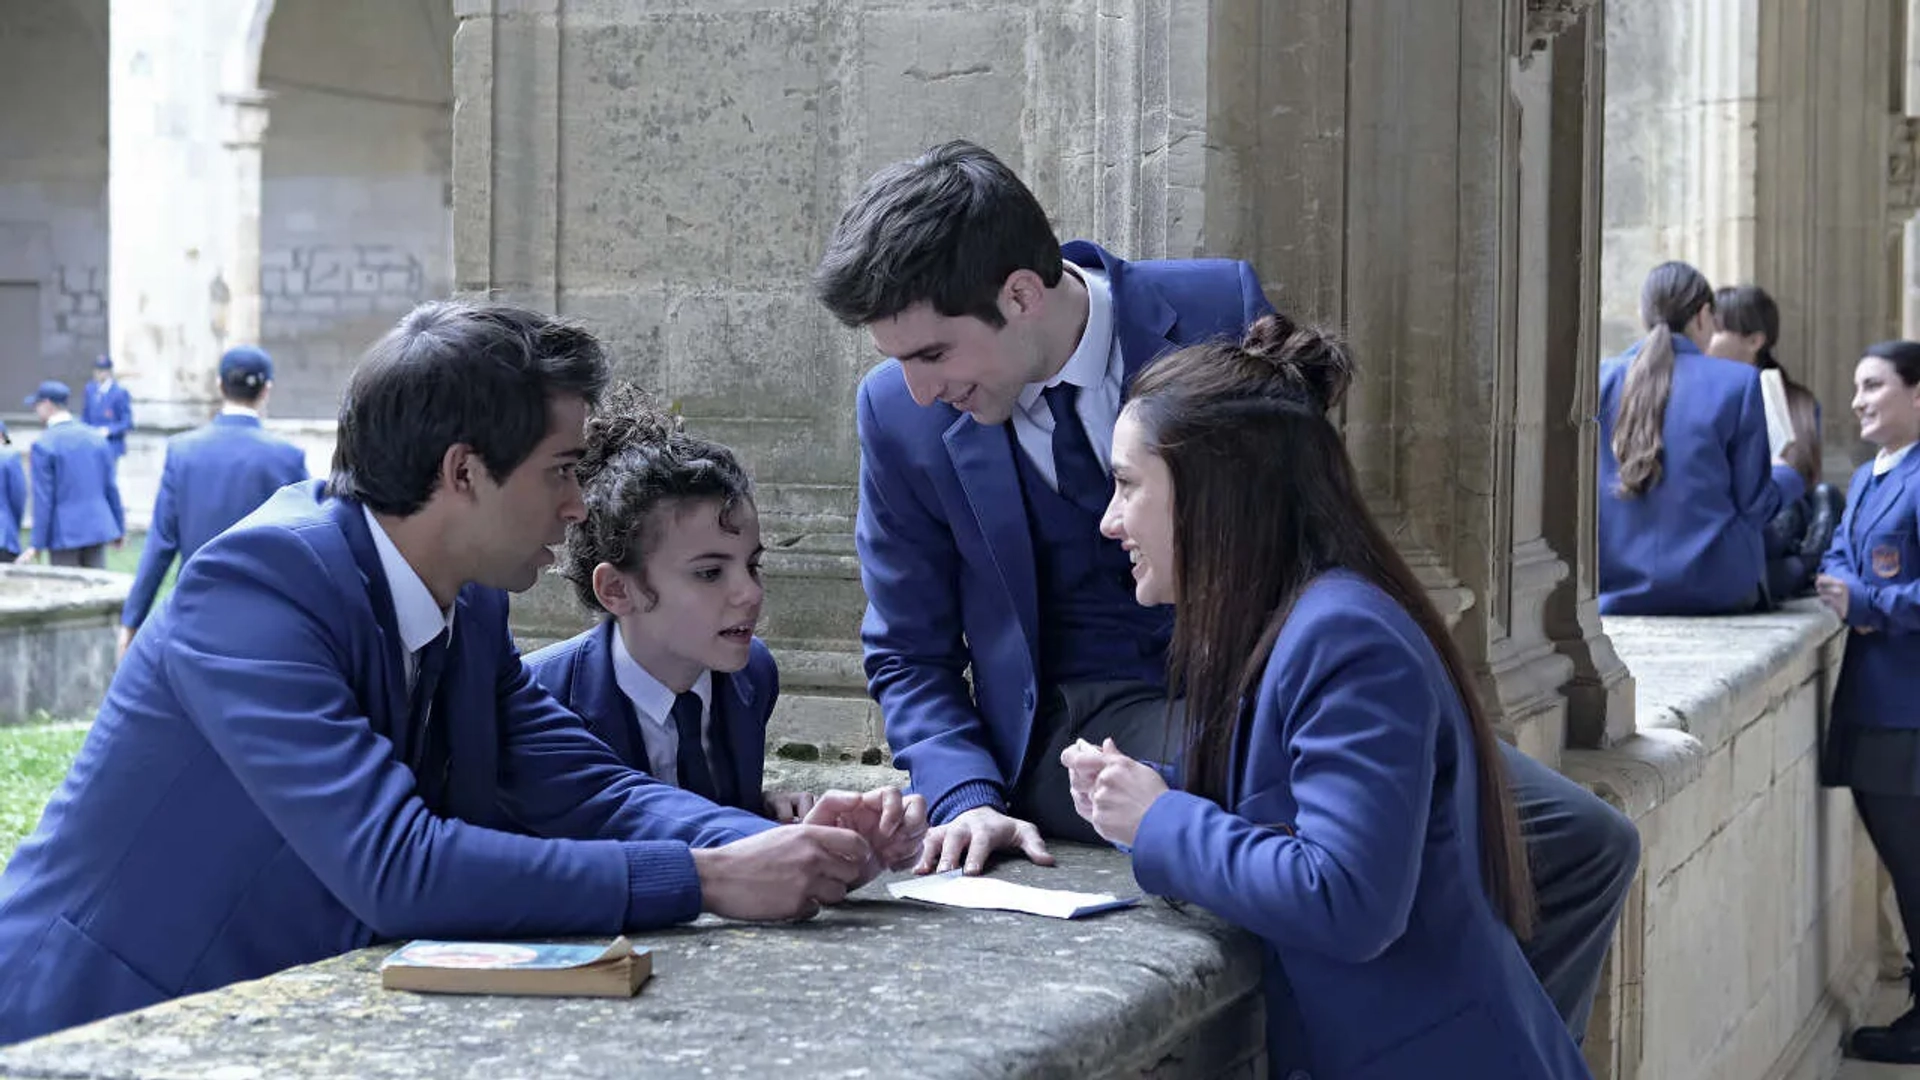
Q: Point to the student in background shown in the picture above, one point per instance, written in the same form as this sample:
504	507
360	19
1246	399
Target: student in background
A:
1345	794
214	475
76	496
1687	483
107	407
1747	326
1871	580
673	678
13	497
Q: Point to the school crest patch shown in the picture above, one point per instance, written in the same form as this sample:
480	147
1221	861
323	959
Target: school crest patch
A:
1886	561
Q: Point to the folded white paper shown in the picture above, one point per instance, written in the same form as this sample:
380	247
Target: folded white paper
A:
1773	400
955	889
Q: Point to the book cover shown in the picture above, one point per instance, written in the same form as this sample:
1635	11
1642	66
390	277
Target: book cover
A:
616	969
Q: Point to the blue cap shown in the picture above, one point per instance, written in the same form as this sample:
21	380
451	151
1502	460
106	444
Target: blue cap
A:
246	365
103	362
52	390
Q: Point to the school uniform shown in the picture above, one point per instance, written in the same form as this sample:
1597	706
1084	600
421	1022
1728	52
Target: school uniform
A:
1349	841
1872	743
108	409
301	755
212	477
710	740
13	501
1692	544
76	495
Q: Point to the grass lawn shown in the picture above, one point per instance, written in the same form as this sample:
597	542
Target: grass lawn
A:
33	758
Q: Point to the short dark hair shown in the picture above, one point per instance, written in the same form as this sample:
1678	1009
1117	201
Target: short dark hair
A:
947	228
1903	355
456	372
639	460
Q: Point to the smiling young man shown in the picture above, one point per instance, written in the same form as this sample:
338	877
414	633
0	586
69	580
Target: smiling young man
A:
324	737
984	442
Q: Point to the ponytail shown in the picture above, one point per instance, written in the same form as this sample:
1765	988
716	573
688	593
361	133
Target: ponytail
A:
1638	442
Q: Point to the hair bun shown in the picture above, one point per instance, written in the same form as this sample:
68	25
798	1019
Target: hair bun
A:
1309	360
628	418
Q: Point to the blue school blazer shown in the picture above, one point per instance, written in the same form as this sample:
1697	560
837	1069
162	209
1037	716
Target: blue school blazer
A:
1876	551
214	476
946	555
1694	543
1352	848
242	805
578	672
76	493
109	410
13	499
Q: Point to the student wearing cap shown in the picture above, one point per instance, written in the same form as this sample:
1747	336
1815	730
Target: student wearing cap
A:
13	497
76	497
108	407
214	476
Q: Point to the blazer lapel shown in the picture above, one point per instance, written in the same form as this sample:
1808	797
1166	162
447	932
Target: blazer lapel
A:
1142	318
352	522
594	695
734	715
983	460
1886	495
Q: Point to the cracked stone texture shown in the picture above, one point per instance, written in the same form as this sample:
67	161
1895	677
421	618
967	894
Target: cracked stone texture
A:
874	988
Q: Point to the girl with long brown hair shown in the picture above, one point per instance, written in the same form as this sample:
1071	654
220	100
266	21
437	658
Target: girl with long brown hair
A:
1686	486
1345	797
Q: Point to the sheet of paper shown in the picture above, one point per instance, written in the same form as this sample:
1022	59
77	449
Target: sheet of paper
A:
1773	395
955	889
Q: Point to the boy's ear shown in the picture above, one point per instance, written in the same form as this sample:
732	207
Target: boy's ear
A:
614	590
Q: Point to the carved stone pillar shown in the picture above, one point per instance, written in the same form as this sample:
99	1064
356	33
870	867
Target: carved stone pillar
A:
240	324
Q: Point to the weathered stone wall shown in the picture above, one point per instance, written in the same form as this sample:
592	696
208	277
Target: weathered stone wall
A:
56	641
53	191
1748	945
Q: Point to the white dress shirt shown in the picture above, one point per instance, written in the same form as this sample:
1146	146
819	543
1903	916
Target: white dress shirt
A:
1884	462
418	616
653	705
1096	368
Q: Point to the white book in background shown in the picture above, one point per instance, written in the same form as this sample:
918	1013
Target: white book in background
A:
1773	393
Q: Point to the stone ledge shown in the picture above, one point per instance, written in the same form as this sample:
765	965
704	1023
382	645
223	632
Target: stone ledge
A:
875	988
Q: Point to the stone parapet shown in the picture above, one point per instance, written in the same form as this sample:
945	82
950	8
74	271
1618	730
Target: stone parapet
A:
1748	942
875	988
56	640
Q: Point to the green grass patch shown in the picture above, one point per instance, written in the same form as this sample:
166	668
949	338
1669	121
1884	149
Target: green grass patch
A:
33	760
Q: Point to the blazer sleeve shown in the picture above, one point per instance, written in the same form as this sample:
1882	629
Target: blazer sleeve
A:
255	649
1760	488
1360	738
558	780
43	509
1838	560
916	659
1873	604
162	544
121	422
14	475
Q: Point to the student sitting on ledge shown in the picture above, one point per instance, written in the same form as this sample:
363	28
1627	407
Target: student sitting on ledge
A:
1685	483
673	678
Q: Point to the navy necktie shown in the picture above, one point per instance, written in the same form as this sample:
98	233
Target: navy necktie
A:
1077	471
431	662
691	758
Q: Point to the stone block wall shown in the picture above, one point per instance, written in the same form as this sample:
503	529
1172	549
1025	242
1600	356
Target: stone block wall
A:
1749	942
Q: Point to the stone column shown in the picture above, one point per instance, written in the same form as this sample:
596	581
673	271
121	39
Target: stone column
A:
1600	695
247	125
169	203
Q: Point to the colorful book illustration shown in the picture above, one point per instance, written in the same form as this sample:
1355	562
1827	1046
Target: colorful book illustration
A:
496	967
955	889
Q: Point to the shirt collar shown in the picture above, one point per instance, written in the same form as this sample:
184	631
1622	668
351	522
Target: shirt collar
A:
1088	366
61	417
230	409
419	618
1884	463
650	697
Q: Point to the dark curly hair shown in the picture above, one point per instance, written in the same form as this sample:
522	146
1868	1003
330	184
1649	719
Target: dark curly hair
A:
638	458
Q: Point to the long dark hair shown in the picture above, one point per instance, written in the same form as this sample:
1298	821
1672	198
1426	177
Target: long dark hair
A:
1673	294
1747	309
1264	501
639	459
